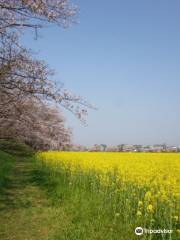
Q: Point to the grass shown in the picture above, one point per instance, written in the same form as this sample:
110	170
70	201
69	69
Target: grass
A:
26	212
6	166
15	148
112	209
38	202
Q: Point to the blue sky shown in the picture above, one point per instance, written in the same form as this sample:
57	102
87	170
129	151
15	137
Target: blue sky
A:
124	57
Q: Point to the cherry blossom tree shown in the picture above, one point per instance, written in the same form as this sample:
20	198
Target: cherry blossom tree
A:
27	88
20	73
36	124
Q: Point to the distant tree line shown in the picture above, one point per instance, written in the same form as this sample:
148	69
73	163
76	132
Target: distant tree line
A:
127	148
29	97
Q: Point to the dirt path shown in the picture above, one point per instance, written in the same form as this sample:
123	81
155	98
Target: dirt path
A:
26	213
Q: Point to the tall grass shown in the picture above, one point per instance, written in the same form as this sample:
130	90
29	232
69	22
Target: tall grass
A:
107	211
6	166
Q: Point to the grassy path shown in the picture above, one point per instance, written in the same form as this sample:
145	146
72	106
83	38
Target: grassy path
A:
26	213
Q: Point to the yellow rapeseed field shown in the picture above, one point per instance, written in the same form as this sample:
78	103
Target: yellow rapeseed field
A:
143	185
159	171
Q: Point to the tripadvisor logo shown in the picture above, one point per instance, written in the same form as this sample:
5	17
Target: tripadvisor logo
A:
139	231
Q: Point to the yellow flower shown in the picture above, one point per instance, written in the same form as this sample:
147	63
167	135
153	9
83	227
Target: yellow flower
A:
175	218
157	172
148	196
150	208
140	203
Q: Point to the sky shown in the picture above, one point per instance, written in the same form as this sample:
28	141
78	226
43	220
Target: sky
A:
123	56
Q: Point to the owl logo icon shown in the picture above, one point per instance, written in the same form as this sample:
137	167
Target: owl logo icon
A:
139	231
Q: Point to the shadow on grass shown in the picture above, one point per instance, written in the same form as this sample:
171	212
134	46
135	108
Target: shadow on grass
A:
19	189
41	178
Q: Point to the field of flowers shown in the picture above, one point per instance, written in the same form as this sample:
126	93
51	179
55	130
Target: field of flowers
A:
113	193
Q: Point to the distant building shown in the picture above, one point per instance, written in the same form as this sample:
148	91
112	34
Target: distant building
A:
128	148
112	149
172	149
